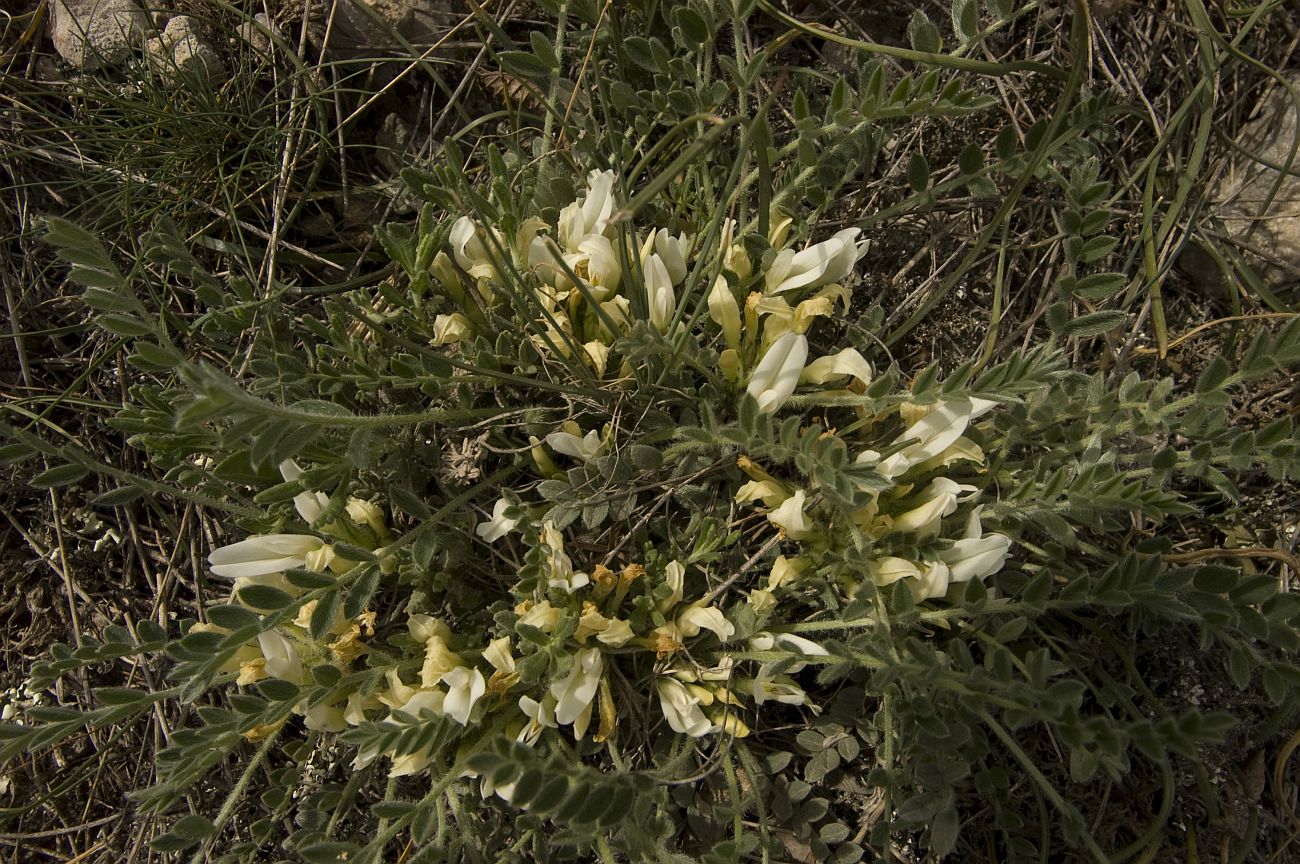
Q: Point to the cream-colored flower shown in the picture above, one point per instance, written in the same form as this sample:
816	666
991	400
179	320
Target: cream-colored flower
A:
786	571
282	659
819	264
357	706
762	601
772	493
262	555
777	374
597	356
541	715
932	582
675	576
558	565
246	653
888	570
939	499
499	525
764	641
976	555
589	214
616	634
369	514
584	447
673	252
543	616
450	329
725	312
576	692
661	300
310	505
682	708
471	250
465	687
696	618
932	434
790	517
847	362
325	718
598	266
768	687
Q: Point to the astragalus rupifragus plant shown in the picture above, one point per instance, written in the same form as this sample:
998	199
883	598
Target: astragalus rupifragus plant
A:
597	536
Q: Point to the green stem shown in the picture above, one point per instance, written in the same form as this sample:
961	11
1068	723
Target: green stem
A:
1064	807
235	796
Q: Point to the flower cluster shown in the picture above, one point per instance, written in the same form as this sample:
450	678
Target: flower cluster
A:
575	626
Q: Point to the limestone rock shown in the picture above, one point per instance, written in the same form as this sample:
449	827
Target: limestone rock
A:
255	33
90	34
1270	228
182	51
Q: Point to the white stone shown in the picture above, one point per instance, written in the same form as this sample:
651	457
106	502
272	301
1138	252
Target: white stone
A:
1244	189
182	51
90	34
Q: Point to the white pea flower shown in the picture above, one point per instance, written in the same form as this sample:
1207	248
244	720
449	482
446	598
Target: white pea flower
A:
682	708
791	519
589	214
543	616
932	582
675	575
616	634
819	264
586	448
600	266
499	525
773	688
764	641
696	618
420	704
734	256
369	514
465	687
939	499
575	693
449	329
325	718
439	660
725	312
398	692
673	251
282	660
762	601
976	555
846	362
559	567
778	372
597	356
771	492
541	715
498	653
888	570
786	571
618	310
932	434
357	706
661	300
308	504
263	555
471	251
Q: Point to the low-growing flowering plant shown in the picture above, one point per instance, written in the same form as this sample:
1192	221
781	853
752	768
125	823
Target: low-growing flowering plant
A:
671	525
660	624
